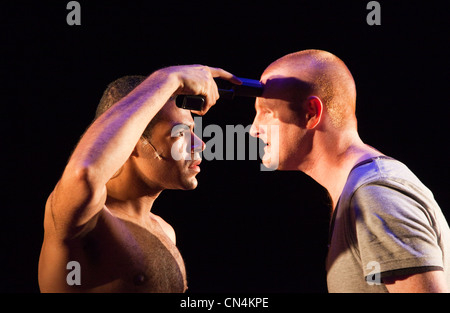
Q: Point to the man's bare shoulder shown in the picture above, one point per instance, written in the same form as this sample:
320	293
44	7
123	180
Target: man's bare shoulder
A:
166	227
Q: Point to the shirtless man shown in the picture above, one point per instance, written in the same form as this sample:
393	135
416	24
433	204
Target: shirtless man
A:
99	212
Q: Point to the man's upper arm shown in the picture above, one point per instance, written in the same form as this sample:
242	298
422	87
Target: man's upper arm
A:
431	281
74	203
397	231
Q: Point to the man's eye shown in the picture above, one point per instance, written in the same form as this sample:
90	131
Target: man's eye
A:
179	131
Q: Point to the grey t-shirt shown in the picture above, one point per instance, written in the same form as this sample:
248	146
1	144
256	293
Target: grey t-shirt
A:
386	223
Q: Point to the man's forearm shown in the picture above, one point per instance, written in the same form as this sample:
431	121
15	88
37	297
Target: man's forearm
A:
109	141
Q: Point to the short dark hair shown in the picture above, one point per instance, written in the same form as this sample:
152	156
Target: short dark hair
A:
117	90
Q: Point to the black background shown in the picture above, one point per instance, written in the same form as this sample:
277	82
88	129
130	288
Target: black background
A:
241	230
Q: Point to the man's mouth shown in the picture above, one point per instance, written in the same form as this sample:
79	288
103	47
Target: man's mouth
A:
195	165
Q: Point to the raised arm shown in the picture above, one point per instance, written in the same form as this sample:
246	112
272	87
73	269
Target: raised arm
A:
81	192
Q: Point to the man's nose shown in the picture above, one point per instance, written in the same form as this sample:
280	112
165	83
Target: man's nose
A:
254	129
197	144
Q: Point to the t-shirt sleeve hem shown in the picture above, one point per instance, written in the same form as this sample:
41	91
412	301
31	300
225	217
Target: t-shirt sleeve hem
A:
408	266
410	271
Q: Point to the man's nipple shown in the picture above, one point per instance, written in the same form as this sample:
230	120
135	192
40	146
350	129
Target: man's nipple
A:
139	279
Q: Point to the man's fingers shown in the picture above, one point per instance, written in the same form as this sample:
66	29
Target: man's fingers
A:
198	80
212	94
218	72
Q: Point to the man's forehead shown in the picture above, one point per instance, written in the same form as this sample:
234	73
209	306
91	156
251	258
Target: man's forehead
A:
282	87
183	119
188	123
172	115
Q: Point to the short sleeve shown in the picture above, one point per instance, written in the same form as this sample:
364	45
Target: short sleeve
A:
393	228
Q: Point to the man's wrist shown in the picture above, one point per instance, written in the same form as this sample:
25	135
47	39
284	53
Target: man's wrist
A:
167	78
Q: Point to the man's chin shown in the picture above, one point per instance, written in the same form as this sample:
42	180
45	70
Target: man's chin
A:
190	184
270	163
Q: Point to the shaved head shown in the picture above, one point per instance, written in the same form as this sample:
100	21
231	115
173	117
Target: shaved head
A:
322	74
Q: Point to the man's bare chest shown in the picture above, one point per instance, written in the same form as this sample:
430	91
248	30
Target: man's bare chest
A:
127	257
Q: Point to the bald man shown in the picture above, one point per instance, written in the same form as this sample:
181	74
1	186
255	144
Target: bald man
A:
387	233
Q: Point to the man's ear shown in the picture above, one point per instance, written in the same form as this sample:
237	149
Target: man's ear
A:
139	145
314	111
135	152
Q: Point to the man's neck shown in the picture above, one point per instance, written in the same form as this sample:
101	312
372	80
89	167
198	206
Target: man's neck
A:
332	164
131	197
137	209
